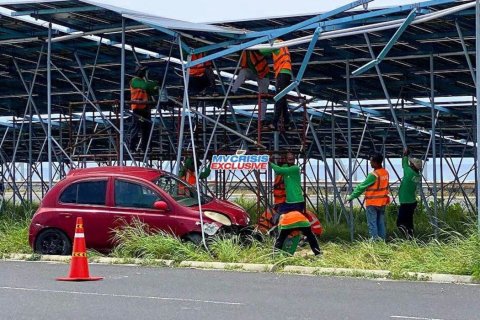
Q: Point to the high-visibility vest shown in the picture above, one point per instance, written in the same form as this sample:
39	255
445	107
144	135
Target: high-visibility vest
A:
377	193
281	60
292	218
279	193
137	94
190	178
258	61
199	69
265	222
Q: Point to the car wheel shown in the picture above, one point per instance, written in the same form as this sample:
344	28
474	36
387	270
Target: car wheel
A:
53	241
195	238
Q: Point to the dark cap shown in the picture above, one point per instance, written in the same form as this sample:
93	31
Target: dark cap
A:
141	71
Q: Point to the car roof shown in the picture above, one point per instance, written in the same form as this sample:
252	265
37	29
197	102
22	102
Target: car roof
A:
139	172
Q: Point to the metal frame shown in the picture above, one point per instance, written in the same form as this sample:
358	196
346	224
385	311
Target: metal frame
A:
329	124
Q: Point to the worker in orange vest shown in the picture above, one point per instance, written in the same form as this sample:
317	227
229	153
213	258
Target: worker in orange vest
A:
202	78
376	188
279	192
296	221
282	67
187	172
141	90
254	66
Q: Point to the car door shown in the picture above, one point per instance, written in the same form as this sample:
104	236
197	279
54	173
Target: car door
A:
135	200
86	198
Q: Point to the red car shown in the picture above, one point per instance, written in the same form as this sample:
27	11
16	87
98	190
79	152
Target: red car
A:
107	196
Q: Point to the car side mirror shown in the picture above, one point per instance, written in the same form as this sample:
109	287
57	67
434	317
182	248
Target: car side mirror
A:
160	205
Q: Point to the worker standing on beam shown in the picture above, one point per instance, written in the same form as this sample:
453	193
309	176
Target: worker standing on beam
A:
376	188
141	89
254	66
282	66
202	77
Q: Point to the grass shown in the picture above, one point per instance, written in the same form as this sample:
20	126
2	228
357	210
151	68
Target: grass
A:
14	223
457	251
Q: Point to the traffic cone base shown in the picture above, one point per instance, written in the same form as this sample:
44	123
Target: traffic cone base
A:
79	263
80	279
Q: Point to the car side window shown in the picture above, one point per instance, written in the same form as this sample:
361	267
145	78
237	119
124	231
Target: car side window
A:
134	195
85	192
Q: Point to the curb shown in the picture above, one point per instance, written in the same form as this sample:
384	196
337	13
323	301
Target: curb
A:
384	274
255	267
443	278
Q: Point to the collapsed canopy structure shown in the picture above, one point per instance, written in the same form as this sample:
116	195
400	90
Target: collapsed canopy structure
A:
364	80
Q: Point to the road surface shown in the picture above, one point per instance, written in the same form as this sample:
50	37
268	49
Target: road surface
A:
28	290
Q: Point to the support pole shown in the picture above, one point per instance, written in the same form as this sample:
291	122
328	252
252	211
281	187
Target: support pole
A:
49	105
434	148
122	95
349	134
477	84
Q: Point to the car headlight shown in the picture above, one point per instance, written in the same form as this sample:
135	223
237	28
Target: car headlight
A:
218	217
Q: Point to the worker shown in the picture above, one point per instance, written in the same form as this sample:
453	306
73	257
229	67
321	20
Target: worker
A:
254	66
407	193
141	89
376	191
202	78
279	192
187	172
293	188
291	221
282	67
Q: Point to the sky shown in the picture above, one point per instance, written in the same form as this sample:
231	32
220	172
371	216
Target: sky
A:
228	10
225	10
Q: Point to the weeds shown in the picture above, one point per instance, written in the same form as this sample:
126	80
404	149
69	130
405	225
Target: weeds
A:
457	251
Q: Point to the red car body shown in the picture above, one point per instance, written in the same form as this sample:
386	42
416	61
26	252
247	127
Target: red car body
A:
81	194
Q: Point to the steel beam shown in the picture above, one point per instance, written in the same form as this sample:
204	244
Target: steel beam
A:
273	34
389	45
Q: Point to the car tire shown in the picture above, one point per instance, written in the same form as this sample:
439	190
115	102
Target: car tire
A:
195	238
53	241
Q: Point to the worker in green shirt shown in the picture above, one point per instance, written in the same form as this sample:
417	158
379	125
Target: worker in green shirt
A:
293	186
187	172
141	89
407	193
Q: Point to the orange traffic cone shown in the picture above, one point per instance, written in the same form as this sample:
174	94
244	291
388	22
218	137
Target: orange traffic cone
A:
79	262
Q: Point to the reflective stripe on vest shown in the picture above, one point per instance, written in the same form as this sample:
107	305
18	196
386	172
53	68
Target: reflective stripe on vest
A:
199	69
291	218
377	193
137	94
279	193
281	60
315	224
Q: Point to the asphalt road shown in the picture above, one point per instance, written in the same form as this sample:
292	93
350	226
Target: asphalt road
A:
28	290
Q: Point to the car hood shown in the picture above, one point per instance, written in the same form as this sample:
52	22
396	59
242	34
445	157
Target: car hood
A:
237	214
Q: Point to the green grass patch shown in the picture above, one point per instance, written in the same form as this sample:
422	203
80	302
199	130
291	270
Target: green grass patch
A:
14	223
456	252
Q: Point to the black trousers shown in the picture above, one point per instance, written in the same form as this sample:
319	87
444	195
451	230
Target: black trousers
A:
306	231
405	218
141	123
281	106
204	84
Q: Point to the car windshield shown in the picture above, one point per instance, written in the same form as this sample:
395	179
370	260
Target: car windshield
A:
185	194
